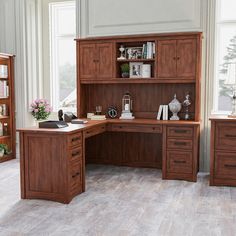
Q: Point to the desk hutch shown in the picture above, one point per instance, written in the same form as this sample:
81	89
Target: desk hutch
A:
172	146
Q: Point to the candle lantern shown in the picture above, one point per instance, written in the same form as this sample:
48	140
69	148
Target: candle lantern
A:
127	107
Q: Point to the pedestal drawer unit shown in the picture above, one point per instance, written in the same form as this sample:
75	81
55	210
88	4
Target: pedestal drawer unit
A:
51	165
223	151
180	152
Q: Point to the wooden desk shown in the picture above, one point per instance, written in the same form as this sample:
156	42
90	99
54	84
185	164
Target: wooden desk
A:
53	160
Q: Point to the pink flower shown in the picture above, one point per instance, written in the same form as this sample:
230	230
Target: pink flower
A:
36	110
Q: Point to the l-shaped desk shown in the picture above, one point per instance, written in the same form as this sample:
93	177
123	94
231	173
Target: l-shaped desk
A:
52	161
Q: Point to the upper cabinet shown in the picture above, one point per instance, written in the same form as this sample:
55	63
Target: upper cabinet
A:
154	58
96	61
177	58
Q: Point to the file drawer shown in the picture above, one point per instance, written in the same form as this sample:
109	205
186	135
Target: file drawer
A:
179	131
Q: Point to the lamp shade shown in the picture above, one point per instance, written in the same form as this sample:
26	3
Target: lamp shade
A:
231	75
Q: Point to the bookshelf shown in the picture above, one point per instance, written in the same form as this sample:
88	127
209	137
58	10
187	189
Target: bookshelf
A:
7	105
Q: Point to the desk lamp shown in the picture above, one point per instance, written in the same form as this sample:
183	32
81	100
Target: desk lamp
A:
231	82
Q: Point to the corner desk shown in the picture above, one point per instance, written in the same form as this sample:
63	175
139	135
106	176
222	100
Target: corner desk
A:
52	161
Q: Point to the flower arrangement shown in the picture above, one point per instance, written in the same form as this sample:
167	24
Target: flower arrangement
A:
41	109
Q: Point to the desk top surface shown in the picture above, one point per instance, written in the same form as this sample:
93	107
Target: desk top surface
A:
93	123
222	118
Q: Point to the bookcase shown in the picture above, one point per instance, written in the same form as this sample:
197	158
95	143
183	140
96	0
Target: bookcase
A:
175	68
7	105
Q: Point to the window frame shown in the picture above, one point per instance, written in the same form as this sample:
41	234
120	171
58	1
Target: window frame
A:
218	23
48	90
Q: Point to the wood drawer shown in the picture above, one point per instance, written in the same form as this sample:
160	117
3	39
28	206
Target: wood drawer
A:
75	154
179	162
94	131
225	136
136	128
179	143
225	165
179	131
75	140
76	176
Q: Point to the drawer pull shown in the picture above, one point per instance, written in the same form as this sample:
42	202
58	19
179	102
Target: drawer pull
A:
230	136
75	139
75	154
180	131
179	162
180	143
76	174
230	166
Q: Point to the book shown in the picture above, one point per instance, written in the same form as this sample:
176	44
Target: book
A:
98	117
159	112
78	121
4	89
165	112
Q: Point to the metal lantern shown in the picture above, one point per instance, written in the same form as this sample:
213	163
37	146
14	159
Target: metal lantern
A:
126	103
127	107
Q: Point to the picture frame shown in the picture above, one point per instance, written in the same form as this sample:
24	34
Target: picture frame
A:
135	69
134	52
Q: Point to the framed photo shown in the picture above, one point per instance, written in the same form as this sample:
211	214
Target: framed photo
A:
135	69
134	52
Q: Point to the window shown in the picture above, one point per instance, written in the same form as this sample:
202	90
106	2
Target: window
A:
225	53
62	32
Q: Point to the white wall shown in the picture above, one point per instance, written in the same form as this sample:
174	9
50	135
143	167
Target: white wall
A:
97	18
111	17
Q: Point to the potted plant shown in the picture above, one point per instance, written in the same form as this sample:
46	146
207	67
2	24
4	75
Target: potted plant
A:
3	149
40	109
125	70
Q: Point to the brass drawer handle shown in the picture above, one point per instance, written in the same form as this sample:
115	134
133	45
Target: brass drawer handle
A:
180	143
75	153
230	166
76	174
179	162
230	136
75	139
180	131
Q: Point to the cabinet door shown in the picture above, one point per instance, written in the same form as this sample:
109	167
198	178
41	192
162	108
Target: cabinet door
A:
87	64
167	58
186	57
104	61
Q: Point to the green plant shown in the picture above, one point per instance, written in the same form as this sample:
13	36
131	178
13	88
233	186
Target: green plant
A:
125	68
5	148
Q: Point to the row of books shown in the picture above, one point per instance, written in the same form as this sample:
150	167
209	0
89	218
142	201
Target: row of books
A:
4	89
162	112
148	50
3	71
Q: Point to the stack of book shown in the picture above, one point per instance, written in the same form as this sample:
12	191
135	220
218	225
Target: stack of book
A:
162	112
4	89
148	50
3	71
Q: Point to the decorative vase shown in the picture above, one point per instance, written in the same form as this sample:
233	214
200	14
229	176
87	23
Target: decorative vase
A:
125	75
37	122
175	107
1	153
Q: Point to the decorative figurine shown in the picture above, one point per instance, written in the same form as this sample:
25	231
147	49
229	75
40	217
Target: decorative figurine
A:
60	115
122	50
175	107
186	104
112	112
127	107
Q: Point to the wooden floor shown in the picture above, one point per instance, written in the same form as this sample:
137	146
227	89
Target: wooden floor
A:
120	201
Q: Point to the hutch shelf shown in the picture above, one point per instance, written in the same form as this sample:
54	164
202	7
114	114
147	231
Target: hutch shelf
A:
175	68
